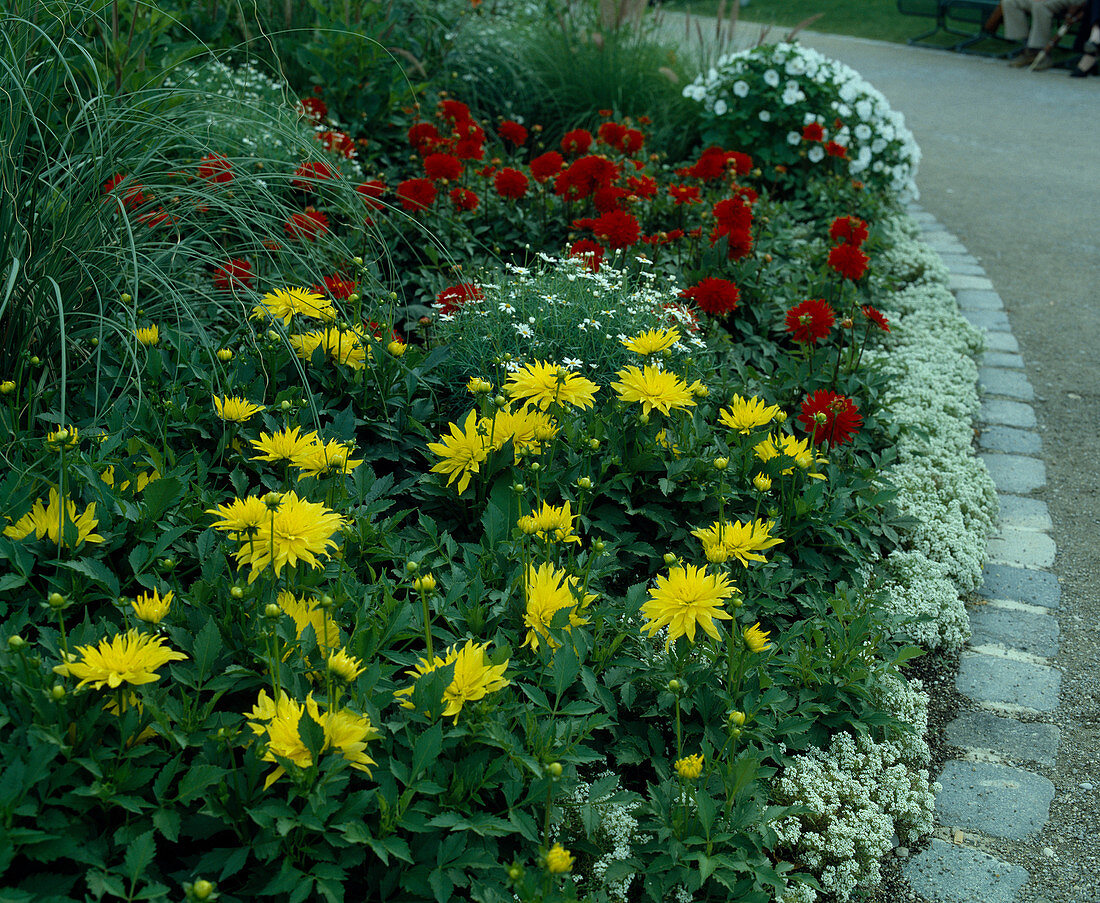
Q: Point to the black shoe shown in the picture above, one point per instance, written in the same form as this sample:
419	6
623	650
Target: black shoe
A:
1080	72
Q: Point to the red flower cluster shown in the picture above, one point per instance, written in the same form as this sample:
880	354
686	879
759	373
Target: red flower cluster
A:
590	251
617	228
233	275
620	137
307	225
848	261
809	322
335	285
338	143
424	138
850	229
546	165
313	108
372	193
829	417
715	163
439	166
454	296
466	139
836	150
717	297
216	169
510	183
813	132
132	194
512	131
684	194
876	317
463	199
584	176
733	221
577	141
416	194
308	173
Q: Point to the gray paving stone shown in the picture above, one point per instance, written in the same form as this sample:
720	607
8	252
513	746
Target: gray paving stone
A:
997	800
979	299
1021	513
1011	383
1024	631
1015	740
957	281
949	873
944	242
1002	359
1022	548
1001	581
1010	440
955	268
1015	473
1002	681
1001	341
1007	413
993	320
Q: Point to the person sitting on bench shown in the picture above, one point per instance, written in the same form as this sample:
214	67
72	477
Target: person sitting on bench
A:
1042	13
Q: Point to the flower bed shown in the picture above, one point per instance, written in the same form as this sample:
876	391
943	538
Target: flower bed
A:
599	582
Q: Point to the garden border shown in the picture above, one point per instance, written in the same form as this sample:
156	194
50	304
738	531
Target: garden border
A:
1005	669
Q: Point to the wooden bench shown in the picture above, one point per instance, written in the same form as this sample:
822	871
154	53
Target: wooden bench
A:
965	19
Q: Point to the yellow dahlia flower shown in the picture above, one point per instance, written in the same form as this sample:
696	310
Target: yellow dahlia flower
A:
148	335
152	608
45	522
550	590
234	409
131	658
322	458
746	415
546	384
462	451
687	598
756	639
298	530
744	542
284	303
653	341
690	767
558	860
653	388
474	677
345	346
284	445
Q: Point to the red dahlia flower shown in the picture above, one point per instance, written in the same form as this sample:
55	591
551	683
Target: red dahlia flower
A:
416	194
464	199
584	176
308	173
132	195
510	183
742	163
733	215
336	286
314	108
512	131
836	150
471	141
810	321
829	417
307	225
632	142
372	193
618	228
453	297
577	141
717	297
454	110
876	317
684	194
642	186
607	199
611	134
424	137
338	143
590	251
813	132
712	164
216	168
233	275
849	261
546	165
442	166
850	229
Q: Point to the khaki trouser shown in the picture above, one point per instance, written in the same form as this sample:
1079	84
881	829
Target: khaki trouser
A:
1042	14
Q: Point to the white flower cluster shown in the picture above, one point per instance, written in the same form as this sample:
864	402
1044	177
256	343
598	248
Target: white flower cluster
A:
858	794
796	86
943	485
616	829
919	592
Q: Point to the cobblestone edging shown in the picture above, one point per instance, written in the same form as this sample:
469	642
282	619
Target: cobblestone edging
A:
988	792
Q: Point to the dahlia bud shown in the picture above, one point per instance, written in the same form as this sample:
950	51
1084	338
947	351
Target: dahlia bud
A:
16	642
284	405
555	769
598	546
594	444
202	889
272	611
762	482
669	559
737	718
721	463
57	692
674	686
412	567
846	323
425	584
821	417
584	482
56	601
236	592
273	500
7	387
125	298
225	355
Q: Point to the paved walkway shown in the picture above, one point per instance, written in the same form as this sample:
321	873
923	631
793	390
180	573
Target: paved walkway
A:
1010	196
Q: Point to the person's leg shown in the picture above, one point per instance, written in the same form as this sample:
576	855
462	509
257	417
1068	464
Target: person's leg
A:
1087	63
1015	19
1042	20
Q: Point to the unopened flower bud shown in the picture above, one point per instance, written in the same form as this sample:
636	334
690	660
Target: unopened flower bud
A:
424	584
500	401
57	692
737	718
721	463
202	889
358	261
643	419
674	686
16	642
584	482
273	335
36	360
412	566
594	444
284	405
56	600
821	417
669	559
273	500
515	872
762	482
272	611
518	488
396	348
7	387
125	298
236	592
555	769
225	355
598	546
536	467
846	323
781	417
327	601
